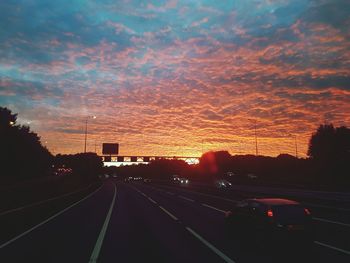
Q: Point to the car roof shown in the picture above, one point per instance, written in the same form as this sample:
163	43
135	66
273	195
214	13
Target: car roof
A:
274	201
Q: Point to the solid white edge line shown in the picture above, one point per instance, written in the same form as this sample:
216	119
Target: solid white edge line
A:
154	202
214	208
184	197
213	248
47	220
330	221
99	242
168	213
42	202
332	247
326	206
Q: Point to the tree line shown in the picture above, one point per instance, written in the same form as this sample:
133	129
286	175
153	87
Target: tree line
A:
23	156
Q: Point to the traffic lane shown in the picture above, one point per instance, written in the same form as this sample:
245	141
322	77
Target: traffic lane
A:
330	232
140	231
207	222
331	209
16	221
227	198
341	206
69	237
214	232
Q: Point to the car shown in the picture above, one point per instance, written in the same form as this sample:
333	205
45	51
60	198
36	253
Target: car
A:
184	181
176	178
270	221
222	183
230	174
147	180
128	179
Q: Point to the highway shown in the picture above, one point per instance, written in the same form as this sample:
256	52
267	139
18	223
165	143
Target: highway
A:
138	222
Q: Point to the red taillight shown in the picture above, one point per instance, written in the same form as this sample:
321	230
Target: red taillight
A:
269	213
228	213
307	211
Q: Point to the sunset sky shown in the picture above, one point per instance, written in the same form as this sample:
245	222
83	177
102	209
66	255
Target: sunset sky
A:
176	77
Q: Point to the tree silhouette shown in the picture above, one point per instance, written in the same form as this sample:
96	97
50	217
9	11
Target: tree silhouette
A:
330	144
21	153
329	148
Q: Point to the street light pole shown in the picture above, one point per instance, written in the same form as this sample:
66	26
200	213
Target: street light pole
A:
86	131
86	122
256	139
295	144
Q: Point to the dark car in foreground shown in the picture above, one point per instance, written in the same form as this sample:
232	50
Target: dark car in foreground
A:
270	221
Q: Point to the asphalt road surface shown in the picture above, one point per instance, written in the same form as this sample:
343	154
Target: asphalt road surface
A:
138	222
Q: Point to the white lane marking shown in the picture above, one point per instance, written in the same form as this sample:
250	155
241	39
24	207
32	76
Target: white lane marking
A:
41	202
332	247
47	220
198	193
188	199
326	206
137	190
154	202
168	213
101	236
330	221
214	249
170	193
142	193
214	208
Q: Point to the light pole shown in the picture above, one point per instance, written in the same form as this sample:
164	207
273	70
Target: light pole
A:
295	144
86	130
256	138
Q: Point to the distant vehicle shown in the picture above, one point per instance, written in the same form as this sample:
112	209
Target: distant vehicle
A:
147	180
62	171
176	178
230	174
270	220
252	176
222	183
128	179
184	181
138	178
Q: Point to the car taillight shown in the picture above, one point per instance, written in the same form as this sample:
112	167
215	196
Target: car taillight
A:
307	211
269	213
228	213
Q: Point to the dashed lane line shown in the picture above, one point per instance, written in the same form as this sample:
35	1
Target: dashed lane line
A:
332	247
213	248
214	208
186	198
154	202
330	221
168	213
